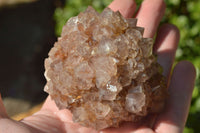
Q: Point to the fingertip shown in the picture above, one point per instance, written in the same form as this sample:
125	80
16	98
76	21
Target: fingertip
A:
160	3
183	79
170	31
169	27
186	68
149	15
126	8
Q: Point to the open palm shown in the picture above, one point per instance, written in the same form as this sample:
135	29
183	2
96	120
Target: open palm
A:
52	120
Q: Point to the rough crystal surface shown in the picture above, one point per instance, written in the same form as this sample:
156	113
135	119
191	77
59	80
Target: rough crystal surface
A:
103	70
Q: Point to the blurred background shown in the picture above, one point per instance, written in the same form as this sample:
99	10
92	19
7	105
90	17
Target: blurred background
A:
29	28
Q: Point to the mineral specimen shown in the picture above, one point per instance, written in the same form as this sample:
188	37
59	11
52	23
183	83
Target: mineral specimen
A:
103	70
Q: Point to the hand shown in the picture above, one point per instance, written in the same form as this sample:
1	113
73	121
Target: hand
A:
51	120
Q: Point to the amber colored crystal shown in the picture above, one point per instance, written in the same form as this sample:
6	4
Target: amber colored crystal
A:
103	70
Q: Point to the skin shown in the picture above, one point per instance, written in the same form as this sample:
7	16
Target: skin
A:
181	82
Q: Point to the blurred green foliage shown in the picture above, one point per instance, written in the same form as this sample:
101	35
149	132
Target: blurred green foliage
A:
185	14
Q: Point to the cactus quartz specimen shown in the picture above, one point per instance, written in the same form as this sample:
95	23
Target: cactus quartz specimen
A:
103	70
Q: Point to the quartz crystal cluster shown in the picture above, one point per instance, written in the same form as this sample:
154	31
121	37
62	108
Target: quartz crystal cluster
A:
103	70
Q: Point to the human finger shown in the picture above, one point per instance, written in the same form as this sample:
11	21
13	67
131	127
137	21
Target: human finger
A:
173	119
126	8
165	46
149	15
